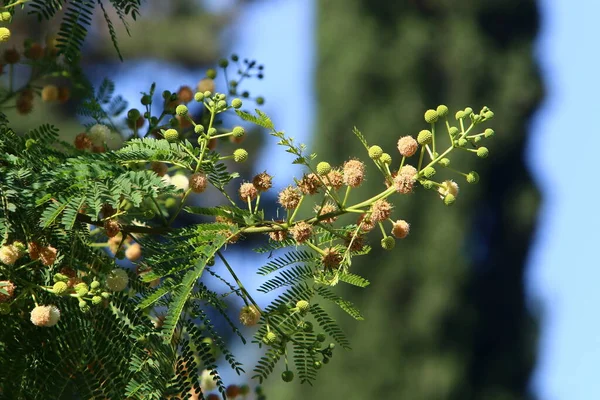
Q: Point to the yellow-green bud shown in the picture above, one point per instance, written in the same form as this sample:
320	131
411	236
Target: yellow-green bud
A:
4	34
171	135
453	131
442	111
181	110
460	115
431	116
303	305
60	278
462	142
477	139
428	184
488	115
236	103
260	100
472	177
5	16
449	199
270	338
482	152
221	104
386	158
287	376
468	111
96	300
429	172
170	202
375	152
238	132
81	289
207	94
323	168
240	155
95	285
489	132
212	131
424	137
83	306
211	73
388	243
199	97
199	129
105	295
133	114
60	288
444	162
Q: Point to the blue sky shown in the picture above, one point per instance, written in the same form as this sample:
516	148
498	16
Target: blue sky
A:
563	268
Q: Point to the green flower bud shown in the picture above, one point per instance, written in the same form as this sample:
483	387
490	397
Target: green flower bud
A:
287	376
323	168
431	116
386	159
325	360
307	327
468	111
453	131
105	295
4	34
462	142
240	155
429	172
223	63
424	137
236	103
318	364
388	243
211	73
238	132
181	110
472	177
222	104
207	94
442	111
321	337
96	300
170	202
428	184
199	97
477	139
171	135
482	152
270	338
95	285
375	152
212	131
60	288
303	306
489	132
444	162
460	115
133	114
146	100
81	289
166	95
449	199
5	16
60	278
199	129
83	306
488	115
260	100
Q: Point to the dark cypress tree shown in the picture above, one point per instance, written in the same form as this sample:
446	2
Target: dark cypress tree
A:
446	313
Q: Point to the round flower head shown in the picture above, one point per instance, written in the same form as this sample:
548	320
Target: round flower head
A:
309	184
388	243
289	198
198	182
303	305
301	231
442	110
180	181
240	155
5	16
482	152
249	315
386	158
48	255
185	94
323	168
405	179
171	135
354	173
159	167
9	287
375	152
133	252
46	316
60	288
331	258
207	382
270	338
407	146
238	132
431	116
49	93
236	103
206	85
326	209
263	181
400	229
334	179
448	187
248	190
278	236
98	134
117	280
472	177
181	110
381	210
424	137
83	142
9	254
4	34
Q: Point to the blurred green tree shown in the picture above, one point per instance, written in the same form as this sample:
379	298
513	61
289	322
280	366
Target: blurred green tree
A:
446	314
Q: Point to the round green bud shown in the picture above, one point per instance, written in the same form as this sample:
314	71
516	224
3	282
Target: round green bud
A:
270	338
146	100
325	360
429	172
170	202
323	168
211	103
260	100
95	285
444	162
29	143
460	115
453	131
238	132
223	63
181	110
321	337
489	132
222	104
60	278
477	139
83	306
60	288
220	96
212	131
331	346
105	295
476	118
199	129
287	376
472	177
171	135
240	155
462	142
307	326
4	34
166	95
428	184
4	308
133	114
5	16
388	243
442	111
199	97
449	199
236	103
431	116
386	158
211	73
375	152
482	152
468	111
318	364
424	137
488	115
303	306
96	300
81	289
207	94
